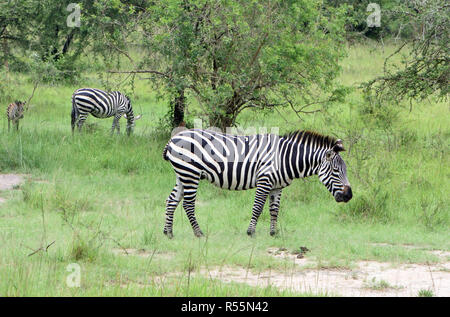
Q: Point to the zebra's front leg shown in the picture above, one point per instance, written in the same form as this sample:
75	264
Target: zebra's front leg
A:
262	191
116	124
171	204
274	199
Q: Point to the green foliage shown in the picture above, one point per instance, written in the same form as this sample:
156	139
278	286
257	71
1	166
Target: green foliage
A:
434	211
380	285
84	247
383	115
390	25
237	55
425	70
47	37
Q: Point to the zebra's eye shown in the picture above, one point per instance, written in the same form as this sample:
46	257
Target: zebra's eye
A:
329	155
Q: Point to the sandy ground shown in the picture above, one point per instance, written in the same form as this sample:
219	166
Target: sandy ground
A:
10	181
369	278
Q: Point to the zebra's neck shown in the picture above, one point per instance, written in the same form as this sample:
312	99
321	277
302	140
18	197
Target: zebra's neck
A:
302	152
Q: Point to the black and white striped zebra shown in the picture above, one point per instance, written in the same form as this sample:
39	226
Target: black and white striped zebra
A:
14	113
101	104
268	162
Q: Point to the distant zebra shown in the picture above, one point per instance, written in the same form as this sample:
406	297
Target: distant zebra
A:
14	113
101	104
268	162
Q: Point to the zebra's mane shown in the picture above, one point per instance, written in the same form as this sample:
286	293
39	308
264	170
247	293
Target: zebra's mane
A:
322	140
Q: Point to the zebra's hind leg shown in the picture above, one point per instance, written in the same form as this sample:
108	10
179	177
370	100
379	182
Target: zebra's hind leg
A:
262	191
74	123
274	200
190	193
80	122
171	204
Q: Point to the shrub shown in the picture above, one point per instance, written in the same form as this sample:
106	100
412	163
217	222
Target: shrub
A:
369	205
434	212
425	293
84	248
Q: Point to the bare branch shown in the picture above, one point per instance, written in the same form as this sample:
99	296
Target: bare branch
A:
139	72
42	249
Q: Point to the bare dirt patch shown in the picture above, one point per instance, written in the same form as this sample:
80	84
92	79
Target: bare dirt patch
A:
364	279
441	253
10	181
369	278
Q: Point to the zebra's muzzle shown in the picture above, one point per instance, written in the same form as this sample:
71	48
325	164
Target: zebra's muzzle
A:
345	195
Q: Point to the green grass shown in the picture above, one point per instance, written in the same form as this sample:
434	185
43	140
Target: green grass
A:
425	293
380	285
93	193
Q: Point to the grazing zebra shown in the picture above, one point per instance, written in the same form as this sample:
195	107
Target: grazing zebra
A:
14	113
101	104
267	161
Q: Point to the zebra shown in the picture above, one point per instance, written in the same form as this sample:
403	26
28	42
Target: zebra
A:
102	104
14	113
268	162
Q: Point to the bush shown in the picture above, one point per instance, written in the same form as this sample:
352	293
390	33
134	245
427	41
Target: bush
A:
84	248
434	212
370	205
380	113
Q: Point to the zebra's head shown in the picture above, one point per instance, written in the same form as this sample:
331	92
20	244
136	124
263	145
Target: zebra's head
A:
131	119
333	173
20	108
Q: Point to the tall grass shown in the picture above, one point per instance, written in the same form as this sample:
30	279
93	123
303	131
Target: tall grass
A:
100	193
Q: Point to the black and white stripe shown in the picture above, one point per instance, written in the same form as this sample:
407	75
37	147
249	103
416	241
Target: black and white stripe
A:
14	113
267	161
101	104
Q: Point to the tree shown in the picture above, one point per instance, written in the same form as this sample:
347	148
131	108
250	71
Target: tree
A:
425	69
40	27
13	26
235	55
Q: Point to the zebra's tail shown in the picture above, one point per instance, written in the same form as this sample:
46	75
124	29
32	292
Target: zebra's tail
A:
74	113
164	154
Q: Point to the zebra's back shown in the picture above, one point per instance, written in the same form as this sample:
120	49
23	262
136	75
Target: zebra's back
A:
14	111
99	103
228	161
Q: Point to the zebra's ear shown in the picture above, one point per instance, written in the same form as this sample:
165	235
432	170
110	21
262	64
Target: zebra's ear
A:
137	117
338	146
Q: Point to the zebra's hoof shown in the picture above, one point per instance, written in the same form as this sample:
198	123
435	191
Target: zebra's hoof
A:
199	234
273	233
168	234
250	232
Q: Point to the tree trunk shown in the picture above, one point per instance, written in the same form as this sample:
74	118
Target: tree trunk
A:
178	105
67	42
6	53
